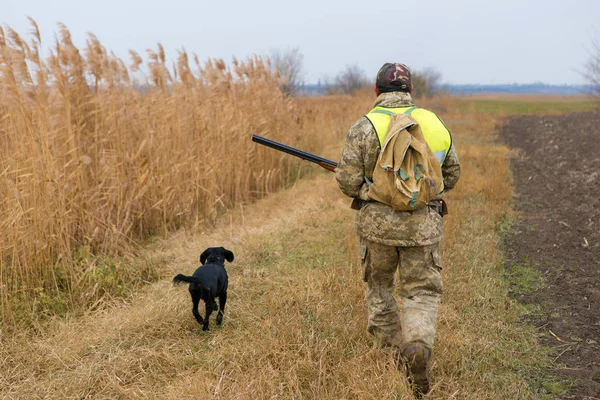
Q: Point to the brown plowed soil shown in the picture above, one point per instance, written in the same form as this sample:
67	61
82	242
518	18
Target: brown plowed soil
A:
556	172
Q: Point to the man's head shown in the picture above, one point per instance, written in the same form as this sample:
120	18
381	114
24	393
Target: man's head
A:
393	77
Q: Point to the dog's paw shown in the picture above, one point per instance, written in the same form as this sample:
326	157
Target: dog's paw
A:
205	327
200	320
219	319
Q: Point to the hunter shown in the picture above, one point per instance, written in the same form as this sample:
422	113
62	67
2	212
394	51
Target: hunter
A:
390	240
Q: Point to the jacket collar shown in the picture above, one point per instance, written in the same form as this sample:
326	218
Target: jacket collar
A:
394	99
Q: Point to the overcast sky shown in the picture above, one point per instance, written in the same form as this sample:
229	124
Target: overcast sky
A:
468	41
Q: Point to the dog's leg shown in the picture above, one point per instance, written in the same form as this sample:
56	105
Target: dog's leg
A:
222	301
196	301
209	310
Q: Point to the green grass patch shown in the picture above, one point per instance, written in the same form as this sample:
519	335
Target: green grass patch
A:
524	278
529	106
86	282
552	389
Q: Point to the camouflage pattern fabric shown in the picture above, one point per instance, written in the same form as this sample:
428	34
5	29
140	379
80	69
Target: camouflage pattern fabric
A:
393	77
420	287
381	223
376	221
392	240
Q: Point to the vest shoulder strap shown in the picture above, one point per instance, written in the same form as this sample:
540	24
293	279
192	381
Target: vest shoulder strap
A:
410	110
388	112
381	111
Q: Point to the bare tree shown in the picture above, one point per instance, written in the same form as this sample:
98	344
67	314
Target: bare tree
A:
592	68
350	80
426	83
289	64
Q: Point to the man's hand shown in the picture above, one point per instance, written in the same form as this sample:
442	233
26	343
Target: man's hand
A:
363	193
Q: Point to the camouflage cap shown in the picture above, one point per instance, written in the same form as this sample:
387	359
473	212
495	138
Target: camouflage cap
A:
393	77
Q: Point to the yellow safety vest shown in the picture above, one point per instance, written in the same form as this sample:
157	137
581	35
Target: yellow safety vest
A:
435	132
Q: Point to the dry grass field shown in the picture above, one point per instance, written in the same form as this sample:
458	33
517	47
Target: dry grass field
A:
107	191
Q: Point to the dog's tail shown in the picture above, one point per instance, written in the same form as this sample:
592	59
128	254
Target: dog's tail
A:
180	278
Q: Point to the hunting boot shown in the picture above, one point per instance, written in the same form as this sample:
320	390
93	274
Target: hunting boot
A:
416	356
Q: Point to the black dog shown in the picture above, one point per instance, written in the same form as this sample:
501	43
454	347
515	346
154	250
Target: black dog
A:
208	282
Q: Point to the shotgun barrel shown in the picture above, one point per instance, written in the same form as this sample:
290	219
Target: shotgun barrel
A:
323	162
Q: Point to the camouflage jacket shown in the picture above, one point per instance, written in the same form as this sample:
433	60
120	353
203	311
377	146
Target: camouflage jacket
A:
376	221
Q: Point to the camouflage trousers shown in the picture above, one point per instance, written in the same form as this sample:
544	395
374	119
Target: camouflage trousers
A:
420	289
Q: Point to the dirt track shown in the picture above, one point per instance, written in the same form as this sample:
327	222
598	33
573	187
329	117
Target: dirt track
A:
557	182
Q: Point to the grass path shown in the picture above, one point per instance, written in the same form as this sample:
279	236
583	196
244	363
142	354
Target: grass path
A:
295	320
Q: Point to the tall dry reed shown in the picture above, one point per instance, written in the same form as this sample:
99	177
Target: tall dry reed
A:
96	154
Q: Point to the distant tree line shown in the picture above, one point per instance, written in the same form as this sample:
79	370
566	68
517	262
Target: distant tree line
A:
517	88
288	64
426	83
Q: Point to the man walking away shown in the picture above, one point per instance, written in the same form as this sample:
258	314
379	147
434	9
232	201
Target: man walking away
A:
391	239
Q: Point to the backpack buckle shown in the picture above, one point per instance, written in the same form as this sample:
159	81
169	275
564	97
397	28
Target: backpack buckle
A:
439	206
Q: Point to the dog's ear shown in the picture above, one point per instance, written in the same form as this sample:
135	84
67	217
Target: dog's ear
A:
203	256
228	255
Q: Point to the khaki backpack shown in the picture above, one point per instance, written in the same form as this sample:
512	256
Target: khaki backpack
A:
407	175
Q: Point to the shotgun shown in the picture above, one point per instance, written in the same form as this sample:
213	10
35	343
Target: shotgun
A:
440	205
323	162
